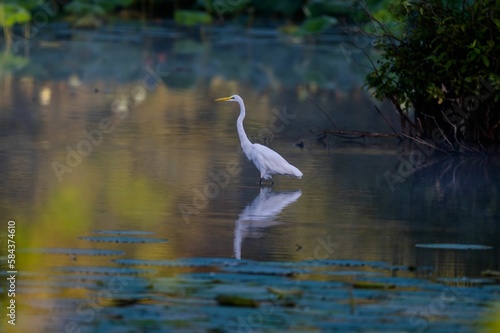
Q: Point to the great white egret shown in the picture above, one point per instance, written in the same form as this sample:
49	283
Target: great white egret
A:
265	159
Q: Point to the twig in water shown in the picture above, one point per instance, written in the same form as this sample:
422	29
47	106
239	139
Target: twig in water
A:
319	108
424	143
385	119
361	134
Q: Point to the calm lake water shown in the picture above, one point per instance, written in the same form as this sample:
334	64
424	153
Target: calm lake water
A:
113	149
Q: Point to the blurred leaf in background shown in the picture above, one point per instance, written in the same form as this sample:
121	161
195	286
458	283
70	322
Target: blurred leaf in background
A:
285	8
192	17
221	8
10	63
90	13
10	14
316	8
316	25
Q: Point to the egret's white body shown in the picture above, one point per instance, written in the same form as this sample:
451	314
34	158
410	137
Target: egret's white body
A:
265	159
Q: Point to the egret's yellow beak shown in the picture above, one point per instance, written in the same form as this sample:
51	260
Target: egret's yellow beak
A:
223	99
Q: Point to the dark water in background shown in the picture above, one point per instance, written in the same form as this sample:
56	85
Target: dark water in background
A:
140	106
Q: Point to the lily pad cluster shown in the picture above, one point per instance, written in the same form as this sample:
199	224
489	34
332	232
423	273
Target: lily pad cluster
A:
230	295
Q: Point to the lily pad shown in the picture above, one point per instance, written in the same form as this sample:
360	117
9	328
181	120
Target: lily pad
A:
400	282
451	246
130	283
468	281
186	262
105	270
372	285
55	285
351	273
146	315
56	304
78	252
344	263
263	270
267	280
283	293
122	232
119	239
235	300
122	300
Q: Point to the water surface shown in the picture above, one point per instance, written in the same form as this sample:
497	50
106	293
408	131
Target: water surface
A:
113	149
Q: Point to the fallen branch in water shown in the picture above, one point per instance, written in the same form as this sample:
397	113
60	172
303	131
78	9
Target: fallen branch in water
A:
425	143
353	134
321	110
360	134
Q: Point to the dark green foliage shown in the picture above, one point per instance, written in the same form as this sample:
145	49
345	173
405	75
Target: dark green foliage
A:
95	7
11	14
192	17
316	25
286	8
444	64
221	8
328	7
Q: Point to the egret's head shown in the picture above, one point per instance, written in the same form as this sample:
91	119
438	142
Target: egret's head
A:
233	98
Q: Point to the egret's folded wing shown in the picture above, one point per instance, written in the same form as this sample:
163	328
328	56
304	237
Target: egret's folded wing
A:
273	162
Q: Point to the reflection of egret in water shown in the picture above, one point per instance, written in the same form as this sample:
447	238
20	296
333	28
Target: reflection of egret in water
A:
260	214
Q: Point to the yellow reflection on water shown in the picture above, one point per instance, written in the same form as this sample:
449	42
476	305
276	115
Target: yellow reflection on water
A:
45	96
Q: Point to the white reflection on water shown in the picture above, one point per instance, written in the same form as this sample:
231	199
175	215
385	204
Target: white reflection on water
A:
260	214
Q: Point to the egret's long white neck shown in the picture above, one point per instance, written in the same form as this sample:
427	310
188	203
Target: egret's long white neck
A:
239	124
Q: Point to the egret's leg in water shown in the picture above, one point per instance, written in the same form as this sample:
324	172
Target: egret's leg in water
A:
260	182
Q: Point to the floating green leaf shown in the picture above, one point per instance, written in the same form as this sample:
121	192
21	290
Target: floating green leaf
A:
235	300
372	285
284	293
191	17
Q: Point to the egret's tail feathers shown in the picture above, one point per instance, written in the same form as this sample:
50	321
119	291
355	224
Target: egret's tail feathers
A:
296	172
